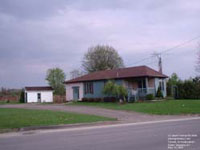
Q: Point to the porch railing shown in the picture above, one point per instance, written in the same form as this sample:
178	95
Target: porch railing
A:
140	92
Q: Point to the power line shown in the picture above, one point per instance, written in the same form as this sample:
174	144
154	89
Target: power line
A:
180	45
177	46
142	60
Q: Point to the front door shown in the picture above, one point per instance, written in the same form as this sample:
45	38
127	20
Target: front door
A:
142	89
39	97
76	93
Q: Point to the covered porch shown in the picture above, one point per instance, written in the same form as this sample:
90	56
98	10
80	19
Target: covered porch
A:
138	88
140	93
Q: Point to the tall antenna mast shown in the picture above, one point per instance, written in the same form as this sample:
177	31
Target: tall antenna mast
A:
158	55
160	64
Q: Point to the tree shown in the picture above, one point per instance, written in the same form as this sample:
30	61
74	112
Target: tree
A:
76	73
196	82
197	67
101	57
112	89
56	78
188	89
109	89
173	80
159	93
22	94
122	92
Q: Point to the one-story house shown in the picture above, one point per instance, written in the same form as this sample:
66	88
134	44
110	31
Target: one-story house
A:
38	94
139	81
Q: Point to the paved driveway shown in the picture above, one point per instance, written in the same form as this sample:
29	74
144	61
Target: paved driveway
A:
122	116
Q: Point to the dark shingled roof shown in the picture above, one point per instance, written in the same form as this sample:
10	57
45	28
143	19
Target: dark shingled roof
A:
131	72
39	88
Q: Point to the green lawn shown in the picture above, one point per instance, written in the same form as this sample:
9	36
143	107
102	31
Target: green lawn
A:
167	107
12	118
4	102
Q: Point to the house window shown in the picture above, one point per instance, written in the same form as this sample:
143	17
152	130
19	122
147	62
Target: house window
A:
88	88
142	84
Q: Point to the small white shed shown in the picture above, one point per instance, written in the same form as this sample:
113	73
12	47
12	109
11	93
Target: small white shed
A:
38	94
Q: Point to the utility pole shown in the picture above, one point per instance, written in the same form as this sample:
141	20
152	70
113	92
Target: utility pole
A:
158	55
160	64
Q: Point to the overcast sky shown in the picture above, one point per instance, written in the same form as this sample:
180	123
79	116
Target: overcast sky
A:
36	35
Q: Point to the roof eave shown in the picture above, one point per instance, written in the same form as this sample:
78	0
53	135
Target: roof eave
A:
70	82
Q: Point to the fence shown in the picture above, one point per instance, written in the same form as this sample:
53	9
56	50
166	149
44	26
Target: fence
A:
59	99
10	98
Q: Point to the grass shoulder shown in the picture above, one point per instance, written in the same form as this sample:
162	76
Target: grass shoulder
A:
165	107
8	102
14	118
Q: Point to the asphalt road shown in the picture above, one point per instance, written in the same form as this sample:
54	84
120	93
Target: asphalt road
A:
151	136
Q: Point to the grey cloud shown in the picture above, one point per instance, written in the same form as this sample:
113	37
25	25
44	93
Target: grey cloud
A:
31	9
37	35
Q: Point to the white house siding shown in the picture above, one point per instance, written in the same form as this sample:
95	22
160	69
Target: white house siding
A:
69	91
46	96
165	87
157	80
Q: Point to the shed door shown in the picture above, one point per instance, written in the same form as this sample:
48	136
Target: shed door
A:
76	93
39	97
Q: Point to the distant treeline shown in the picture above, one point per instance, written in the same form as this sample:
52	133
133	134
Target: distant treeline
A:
10	92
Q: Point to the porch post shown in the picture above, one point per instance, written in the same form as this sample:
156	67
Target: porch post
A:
146	82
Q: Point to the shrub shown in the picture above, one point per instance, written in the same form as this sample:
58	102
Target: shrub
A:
98	99
149	97
21	99
105	99
110	99
84	99
111	89
132	99
169	98
122	92
140	101
159	93
184	89
91	99
189	89
173	80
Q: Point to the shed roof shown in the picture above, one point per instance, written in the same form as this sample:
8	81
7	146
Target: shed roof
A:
39	88
131	72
